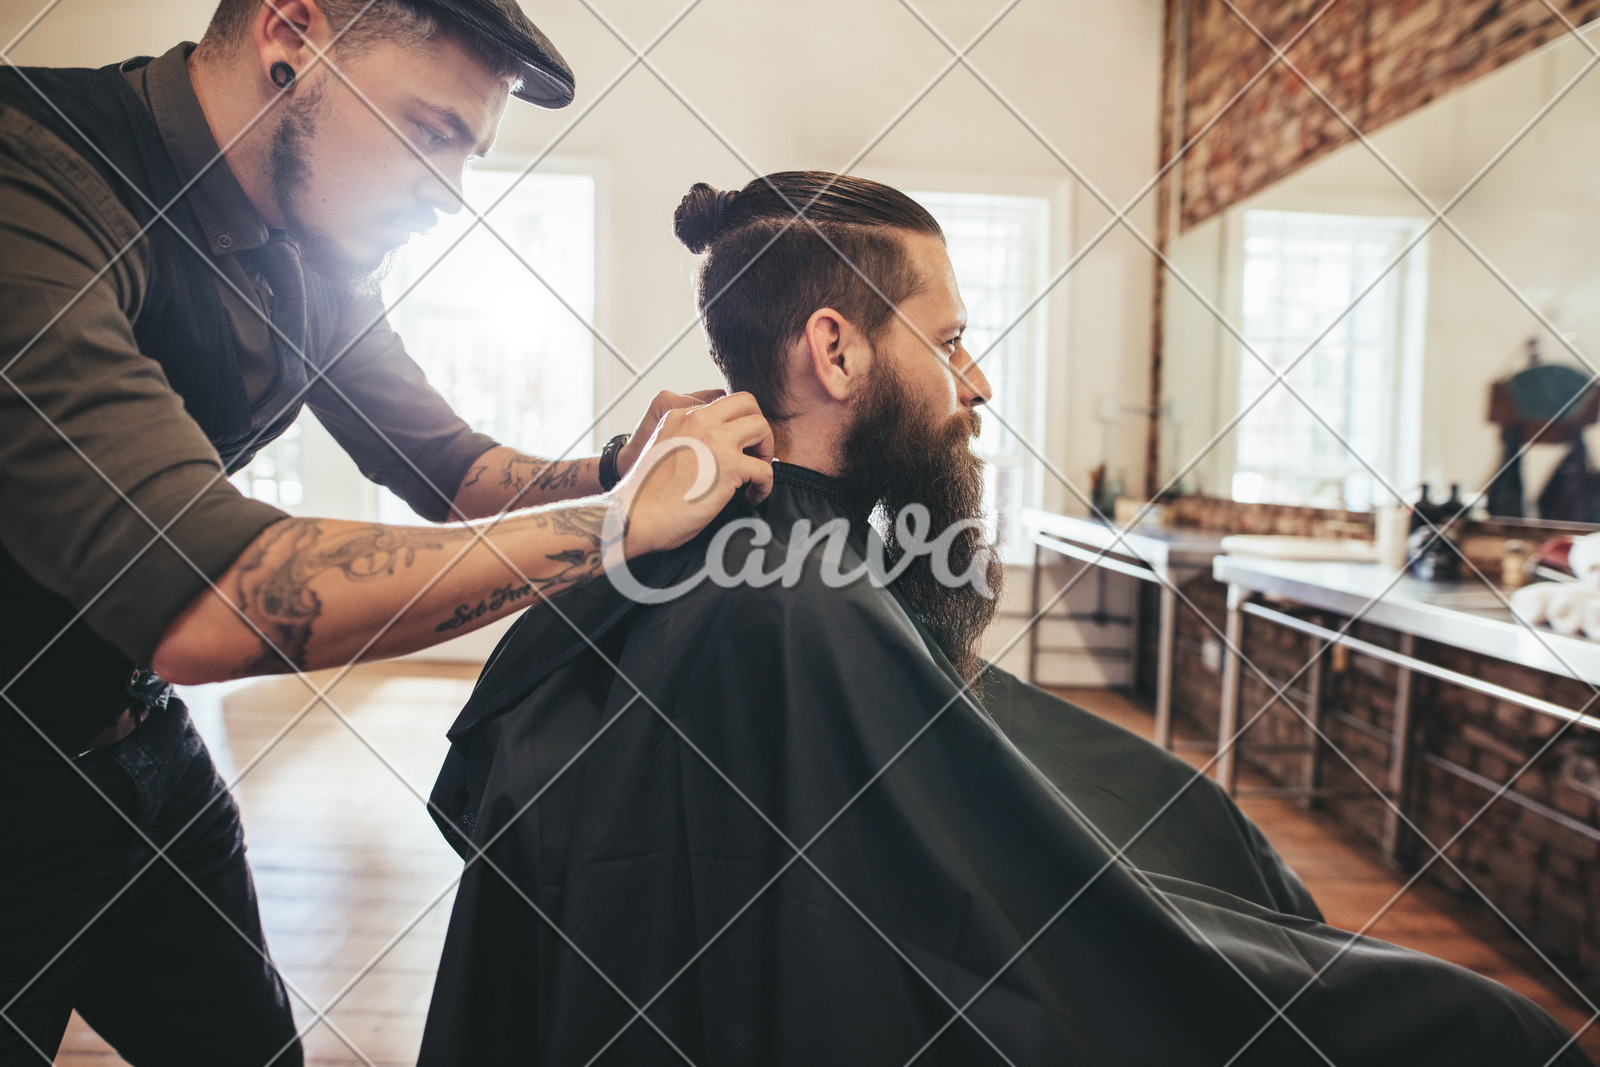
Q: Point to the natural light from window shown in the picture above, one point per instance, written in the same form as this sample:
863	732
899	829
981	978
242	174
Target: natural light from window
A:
1301	271
514	359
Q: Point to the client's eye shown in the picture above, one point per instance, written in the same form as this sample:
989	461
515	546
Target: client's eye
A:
430	137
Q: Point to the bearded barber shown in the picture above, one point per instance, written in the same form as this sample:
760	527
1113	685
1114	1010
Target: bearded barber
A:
147	357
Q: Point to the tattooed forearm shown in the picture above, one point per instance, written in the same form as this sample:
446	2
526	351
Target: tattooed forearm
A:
503	479
503	597
576	565
316	591
521	472
277	596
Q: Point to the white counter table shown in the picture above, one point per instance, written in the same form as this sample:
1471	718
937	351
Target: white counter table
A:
1464	614
1148	553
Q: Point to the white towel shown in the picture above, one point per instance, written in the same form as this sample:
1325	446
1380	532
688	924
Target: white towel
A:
1532	601
1565	609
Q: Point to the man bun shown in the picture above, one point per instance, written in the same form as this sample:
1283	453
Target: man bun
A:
701	215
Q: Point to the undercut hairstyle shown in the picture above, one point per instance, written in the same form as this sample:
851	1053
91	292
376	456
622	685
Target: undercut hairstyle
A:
400	21
755	300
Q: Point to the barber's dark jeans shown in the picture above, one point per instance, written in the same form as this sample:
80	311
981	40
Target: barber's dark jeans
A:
165	977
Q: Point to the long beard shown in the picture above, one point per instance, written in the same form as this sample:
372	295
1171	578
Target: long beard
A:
290	175
896	454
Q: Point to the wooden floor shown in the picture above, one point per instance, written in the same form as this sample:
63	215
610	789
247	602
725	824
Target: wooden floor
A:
1351	883
356	883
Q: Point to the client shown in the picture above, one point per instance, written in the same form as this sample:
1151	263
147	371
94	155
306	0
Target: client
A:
758	801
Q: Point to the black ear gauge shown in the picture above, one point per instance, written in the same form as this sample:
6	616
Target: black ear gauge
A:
282	74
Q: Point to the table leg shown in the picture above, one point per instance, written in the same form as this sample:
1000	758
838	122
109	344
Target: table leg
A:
1033	615
1314	714
1399	754
1228	717
1166	639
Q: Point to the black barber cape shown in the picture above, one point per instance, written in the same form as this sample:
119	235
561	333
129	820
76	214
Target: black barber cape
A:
640	778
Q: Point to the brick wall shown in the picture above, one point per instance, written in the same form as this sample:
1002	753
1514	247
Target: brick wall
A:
1534	854
1376	60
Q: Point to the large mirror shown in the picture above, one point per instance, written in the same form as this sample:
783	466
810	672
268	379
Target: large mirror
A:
1431	351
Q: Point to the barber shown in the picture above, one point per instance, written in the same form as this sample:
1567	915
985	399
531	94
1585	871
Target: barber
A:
147	356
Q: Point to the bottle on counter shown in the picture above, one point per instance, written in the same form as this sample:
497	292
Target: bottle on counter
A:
1431	554
1422	510
1455	505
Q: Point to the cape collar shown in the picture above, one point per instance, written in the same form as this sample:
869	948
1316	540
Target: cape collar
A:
824	485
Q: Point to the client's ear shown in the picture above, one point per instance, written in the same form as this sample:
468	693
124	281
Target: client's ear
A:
840	357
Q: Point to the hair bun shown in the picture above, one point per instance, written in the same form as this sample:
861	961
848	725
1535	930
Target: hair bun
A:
700	216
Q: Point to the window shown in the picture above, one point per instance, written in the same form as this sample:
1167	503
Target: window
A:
999	246
494	341
274	474
1301	271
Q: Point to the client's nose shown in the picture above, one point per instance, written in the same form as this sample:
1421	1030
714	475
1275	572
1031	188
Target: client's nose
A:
971	386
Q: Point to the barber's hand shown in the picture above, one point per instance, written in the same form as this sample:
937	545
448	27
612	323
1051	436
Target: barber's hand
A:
663	403
736	453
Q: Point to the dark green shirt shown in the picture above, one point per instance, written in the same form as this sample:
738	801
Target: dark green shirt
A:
87	418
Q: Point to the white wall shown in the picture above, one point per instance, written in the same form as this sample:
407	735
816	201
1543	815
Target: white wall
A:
807	86
1535	216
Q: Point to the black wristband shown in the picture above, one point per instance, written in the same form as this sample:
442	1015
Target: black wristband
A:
609	475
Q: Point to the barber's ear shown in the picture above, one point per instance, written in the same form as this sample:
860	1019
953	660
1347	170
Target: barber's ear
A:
841	358
282	30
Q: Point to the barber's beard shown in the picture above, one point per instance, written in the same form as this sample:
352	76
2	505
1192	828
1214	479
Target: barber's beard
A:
290	174
898	454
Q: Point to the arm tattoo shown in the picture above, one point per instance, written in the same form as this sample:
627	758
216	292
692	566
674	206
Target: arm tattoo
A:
576	565
520	472
275	574
277	597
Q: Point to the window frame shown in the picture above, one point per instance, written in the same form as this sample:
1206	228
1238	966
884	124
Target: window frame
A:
1400	466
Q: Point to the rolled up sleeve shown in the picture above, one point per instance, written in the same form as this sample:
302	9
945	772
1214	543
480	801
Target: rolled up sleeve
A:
110	494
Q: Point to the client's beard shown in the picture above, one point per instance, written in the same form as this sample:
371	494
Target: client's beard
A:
289	175
897	454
